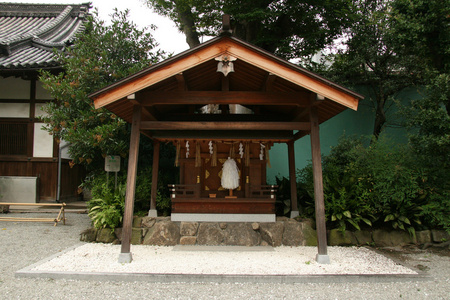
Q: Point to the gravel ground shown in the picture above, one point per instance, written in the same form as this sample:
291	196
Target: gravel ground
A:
26	243
280	261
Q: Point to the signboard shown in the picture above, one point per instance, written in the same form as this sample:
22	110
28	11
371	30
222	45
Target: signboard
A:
112	163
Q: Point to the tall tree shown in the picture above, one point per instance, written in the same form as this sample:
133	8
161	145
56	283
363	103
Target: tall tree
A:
101	55
369	59
288	28
421	32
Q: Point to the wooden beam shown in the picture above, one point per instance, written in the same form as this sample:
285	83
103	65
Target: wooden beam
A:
234	48
181	82
292	177
131	180
318	183
268	86
161	125
225	97
145	111
155	169
304	79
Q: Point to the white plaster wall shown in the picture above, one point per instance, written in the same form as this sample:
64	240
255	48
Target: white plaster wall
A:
14	110
38	112
41	93
43	142
64	151
14	88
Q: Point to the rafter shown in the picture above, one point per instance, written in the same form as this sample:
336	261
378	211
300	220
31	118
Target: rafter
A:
220	97
168	125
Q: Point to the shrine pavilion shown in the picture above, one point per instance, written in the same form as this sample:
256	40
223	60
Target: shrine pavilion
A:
224	99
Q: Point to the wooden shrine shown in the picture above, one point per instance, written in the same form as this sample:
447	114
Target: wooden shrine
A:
200	190
226	95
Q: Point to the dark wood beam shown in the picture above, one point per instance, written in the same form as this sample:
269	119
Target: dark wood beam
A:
154	125
318	187
224	97
155	169
268	86
131	185
292	177
181	82
147	112
230	135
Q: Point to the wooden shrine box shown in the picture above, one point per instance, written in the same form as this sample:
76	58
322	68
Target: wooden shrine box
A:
200	190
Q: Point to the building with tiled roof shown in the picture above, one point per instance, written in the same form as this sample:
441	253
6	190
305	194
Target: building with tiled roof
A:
29	33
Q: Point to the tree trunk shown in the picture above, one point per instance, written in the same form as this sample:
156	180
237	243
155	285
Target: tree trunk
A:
188	26
380	118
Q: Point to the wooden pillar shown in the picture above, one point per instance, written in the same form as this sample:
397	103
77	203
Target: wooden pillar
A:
125	254
293	180
155	169
322	256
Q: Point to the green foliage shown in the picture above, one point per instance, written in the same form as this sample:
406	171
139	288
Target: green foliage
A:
283	201
368	59
380	185
100	56
288	28
107	205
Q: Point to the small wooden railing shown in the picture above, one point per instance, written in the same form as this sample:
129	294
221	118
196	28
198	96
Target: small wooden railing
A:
194	190
61	215
261	191
184	190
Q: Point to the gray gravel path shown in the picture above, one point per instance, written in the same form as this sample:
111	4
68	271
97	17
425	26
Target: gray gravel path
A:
23	244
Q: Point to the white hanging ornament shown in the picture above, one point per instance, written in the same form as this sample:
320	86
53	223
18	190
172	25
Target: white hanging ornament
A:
187	149
230	175
261	153
211	148
241	150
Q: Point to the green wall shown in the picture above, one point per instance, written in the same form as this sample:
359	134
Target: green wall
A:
349	123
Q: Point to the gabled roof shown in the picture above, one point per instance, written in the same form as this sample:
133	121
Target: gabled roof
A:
174	90
29	32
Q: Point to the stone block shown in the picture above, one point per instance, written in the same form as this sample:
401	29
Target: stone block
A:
241	234
188	228
188	240
338	238
292	235
223	225
255	226
363	237
309	234
385	238
440	236
136	236
423	237
137	221
105	235
164	233
210	234
272	233
148	222
89	235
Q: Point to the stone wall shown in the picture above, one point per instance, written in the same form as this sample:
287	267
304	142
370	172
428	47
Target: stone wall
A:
289	232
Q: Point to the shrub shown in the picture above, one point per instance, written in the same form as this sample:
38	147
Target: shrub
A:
382	184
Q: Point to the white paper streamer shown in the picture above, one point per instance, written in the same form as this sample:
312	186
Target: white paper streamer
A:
230	174
187	149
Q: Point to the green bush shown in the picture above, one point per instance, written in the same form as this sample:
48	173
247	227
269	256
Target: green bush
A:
382	184
107	205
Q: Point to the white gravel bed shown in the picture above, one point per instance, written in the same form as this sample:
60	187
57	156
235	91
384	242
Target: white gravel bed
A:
93	257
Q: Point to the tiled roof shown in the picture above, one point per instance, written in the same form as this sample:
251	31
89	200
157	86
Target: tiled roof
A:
29	32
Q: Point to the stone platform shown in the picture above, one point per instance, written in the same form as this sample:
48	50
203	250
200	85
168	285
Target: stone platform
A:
161	231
